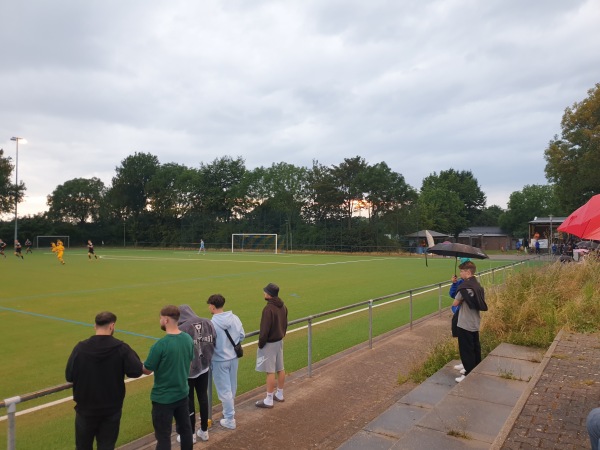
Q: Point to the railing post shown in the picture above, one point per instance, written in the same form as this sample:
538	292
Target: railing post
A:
440	299
493	276
371	324
411	308
309	347
11	410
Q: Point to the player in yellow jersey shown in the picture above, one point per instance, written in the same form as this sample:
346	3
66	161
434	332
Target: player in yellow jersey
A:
59	249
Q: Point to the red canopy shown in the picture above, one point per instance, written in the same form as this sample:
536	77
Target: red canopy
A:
584	221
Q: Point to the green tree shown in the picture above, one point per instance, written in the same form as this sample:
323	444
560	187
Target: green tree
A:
386	190
441	210
462	183
223	191
572	160
349	178
7	189
532	201
488	217
77	201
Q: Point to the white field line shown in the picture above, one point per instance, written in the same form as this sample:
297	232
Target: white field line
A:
150	258
67	399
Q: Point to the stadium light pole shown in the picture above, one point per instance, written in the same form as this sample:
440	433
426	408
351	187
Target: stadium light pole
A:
24	141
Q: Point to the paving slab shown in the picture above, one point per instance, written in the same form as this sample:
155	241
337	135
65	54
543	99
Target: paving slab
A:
365	440
491	389
433	390
480	420
397	420
501	366
421	439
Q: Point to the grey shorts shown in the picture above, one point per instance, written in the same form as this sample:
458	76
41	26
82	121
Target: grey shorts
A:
269	359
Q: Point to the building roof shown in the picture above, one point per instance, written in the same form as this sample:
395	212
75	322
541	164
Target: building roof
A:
421	234
547	221
486	231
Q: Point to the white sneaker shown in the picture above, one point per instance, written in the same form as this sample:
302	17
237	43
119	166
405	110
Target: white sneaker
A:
203	435
459	367
228	423
193	438
459	379
463	371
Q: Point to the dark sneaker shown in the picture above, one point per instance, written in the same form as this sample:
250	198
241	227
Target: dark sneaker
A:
262	404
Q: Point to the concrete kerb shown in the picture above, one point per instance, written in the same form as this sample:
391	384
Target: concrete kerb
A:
510	421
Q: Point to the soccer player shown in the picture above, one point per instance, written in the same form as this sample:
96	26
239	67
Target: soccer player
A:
91	250
28	245
18	249
2	247
59	249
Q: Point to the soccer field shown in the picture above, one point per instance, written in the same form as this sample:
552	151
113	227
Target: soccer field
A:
47	307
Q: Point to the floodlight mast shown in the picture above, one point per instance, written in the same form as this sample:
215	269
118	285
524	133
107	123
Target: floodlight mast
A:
24	141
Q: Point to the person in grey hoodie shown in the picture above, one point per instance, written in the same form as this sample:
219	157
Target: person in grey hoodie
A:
204	336
225	361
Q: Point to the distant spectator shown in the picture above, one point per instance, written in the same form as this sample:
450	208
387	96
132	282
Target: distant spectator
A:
593	428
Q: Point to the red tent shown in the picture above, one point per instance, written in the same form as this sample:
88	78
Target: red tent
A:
584	221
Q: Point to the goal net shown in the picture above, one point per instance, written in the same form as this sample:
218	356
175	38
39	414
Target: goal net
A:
254	242
44	241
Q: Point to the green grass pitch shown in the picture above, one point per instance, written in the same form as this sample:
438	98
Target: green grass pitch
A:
46	308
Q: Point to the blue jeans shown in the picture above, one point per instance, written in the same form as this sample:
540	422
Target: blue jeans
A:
593	427
104	428
162	420
225	379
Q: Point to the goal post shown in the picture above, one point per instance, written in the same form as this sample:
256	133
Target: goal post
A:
254	242
44	241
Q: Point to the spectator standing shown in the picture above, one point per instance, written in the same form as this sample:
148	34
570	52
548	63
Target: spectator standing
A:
225	360
203	334
470	297
456	282
269	357
96	368
170	360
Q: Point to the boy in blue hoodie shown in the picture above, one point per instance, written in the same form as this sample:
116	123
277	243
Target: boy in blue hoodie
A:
225	361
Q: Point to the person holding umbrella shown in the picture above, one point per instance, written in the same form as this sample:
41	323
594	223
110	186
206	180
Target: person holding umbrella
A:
470	298
455	309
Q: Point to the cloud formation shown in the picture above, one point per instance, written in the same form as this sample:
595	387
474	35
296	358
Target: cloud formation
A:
422	85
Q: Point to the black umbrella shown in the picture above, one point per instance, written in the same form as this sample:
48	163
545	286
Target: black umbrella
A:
457	250
587	244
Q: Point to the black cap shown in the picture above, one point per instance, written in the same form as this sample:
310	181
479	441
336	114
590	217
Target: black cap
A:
271	289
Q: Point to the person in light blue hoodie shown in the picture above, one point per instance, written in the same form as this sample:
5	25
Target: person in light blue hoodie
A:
225	361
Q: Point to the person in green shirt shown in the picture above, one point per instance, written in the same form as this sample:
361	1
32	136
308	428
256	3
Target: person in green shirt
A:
170	360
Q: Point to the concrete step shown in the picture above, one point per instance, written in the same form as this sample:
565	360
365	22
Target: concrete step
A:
441	413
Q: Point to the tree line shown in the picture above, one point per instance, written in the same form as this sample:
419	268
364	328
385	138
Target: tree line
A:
347	205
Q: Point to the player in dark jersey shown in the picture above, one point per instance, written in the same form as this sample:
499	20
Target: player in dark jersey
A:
28	245
2	247
91	250
18	248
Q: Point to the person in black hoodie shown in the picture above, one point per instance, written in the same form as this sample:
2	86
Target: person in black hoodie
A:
96	368
269	357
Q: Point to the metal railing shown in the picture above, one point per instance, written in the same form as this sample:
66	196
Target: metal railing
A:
10	403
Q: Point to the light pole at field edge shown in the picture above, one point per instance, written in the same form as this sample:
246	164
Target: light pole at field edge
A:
17	139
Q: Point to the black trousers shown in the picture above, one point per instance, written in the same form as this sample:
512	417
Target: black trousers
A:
162	420
199	385
469	348
105	429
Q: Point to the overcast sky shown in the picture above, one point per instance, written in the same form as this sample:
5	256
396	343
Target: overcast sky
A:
425	86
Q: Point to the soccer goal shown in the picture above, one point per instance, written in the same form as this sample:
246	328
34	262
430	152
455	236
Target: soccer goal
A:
44	241
254	242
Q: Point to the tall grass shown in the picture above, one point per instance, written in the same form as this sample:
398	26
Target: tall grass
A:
536	303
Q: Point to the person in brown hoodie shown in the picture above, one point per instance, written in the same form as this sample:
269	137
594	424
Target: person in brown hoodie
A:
269	357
